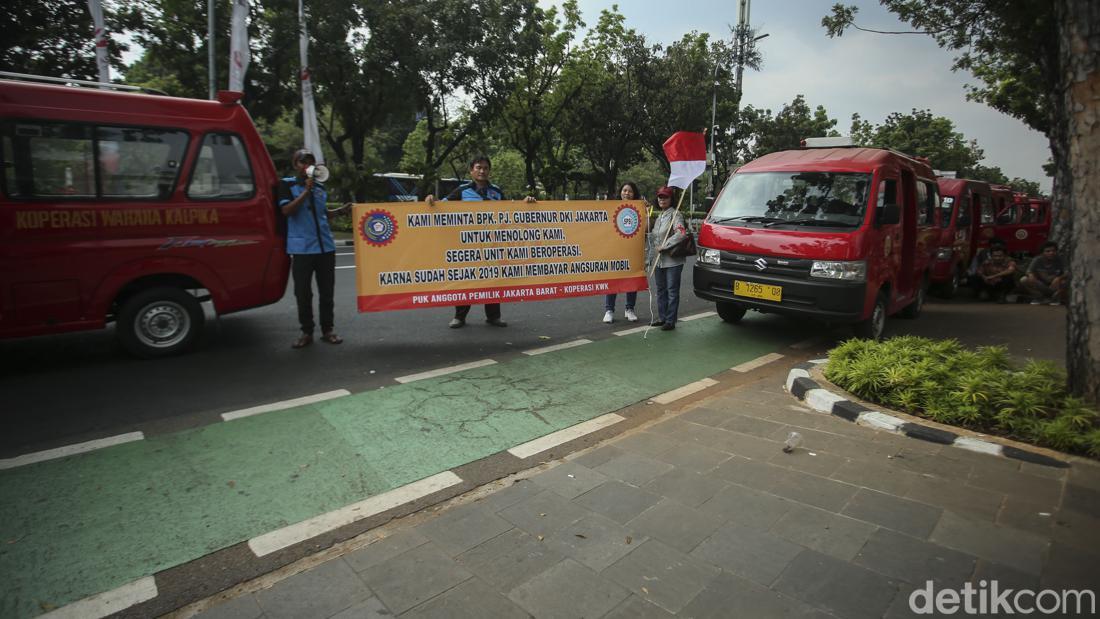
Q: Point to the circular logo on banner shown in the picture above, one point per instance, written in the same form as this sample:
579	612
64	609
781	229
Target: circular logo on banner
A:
378	228
1021	234
627	221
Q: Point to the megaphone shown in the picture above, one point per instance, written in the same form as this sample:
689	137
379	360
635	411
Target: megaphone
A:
317	172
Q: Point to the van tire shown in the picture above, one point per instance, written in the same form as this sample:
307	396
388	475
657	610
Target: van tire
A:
914	309
950	288
159	322
731	312
875	325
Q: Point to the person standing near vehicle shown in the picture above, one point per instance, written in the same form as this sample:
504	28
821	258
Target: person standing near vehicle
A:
478	188
668	231
629	191
311	247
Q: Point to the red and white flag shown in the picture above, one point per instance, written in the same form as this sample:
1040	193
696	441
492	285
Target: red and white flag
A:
96	9
312	138
687	156
238	46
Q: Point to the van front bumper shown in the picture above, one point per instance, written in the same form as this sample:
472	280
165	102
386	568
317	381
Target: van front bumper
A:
821	299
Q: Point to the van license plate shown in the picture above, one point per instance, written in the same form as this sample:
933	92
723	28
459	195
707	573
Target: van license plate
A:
758	291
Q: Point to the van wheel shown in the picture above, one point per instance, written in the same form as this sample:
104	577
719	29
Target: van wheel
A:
731	312
951	288
159	322
875	325
913	310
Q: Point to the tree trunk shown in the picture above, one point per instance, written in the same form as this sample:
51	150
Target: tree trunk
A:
1079	170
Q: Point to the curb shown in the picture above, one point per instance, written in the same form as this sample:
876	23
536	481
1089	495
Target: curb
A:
801	386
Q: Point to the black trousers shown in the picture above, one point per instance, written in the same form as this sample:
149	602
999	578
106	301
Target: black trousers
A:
492	311
303	268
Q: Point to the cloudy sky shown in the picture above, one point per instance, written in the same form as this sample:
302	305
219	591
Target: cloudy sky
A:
872	75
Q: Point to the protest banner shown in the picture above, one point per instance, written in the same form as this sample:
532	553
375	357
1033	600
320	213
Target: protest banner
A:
410	255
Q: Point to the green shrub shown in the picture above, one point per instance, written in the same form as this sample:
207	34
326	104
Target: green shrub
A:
978	389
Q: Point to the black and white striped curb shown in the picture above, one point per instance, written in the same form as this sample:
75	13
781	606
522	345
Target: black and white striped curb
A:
801	386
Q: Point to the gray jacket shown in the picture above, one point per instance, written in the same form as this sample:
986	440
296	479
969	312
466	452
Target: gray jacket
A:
669	218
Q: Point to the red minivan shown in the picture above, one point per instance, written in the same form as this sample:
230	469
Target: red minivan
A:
1025	226
841	234
966	222
122	206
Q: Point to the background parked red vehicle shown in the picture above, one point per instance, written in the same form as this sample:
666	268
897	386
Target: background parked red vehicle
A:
966	222
1025	225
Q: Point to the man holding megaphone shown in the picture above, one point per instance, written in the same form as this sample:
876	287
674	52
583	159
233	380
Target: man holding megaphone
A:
302	199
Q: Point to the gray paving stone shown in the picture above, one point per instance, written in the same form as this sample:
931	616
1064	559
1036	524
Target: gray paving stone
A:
931	464
1041	470
697	458
319	592
458	531
569	479
749	553
1074	528
686	486
833	534
1085	474
240	607
956	497
598	456
509	560
810	489
413	577
618	501
730	596
662	575
735	443
594	541
1010	547
568	590
372	608
1082	499
754	426
543	513
808	461
747	507
1005	576
1027	516
647	443
836	586
472	599
901	557
669	426
519	490
909	517
876	477
382	550
1018	486
676	524
900	608
634	469
709	416
636	608
1071	567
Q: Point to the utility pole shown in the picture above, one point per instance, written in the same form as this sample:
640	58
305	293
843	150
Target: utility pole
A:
741	44
210	46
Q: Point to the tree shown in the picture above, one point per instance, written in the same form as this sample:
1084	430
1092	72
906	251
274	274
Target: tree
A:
1039	62
921	134
786	129
54	38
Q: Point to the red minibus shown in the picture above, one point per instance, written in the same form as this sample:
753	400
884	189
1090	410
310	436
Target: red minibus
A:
842	234
966	221
134	208
1024	226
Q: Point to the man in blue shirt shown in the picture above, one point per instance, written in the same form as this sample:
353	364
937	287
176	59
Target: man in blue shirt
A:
311	247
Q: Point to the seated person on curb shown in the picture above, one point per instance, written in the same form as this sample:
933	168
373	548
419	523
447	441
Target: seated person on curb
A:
995	277
1045	281
981	256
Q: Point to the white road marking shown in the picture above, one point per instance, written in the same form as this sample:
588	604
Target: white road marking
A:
278	406
69	450
685	391
546	349
560	437
278	539
697	316
350	266
748	366
108	602
347	253
980	446
634	330
444	371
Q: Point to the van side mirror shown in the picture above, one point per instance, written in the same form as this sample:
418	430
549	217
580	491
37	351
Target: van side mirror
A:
708	202
887	214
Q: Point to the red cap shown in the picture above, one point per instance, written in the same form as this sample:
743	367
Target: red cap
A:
665	191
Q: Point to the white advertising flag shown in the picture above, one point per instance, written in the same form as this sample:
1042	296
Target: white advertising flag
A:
96	9
238	46
312	139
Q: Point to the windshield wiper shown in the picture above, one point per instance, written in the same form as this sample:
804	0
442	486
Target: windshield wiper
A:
749	218
807	222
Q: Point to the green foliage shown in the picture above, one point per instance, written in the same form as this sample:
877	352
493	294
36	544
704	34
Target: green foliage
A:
787	128
921	134
978	389
54	38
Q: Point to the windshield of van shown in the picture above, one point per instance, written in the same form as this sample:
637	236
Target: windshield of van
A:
827	199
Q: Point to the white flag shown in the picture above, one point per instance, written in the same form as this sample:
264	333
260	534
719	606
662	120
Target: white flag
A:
96	9
238	46
312	139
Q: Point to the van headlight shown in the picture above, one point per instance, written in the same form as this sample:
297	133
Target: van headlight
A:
709	256
944	253
849	271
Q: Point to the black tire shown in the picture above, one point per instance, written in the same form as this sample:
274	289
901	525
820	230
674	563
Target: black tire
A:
914	309
875	325
731	312
949	289
159	322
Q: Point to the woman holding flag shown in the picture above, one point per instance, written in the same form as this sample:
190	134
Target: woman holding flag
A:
669	230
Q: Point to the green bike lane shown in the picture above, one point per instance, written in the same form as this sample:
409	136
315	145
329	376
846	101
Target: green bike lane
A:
85	524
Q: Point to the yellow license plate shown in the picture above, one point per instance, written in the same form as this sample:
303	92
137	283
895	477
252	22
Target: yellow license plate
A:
758	291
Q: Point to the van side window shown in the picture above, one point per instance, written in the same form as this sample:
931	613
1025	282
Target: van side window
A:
927	199
139	162
222	171
963	218
887	192
986	209
1006	214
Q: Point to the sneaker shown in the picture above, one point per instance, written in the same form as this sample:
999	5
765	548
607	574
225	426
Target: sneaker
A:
496	322
668	326
657	323
457	323
630	315
609	317
1036	302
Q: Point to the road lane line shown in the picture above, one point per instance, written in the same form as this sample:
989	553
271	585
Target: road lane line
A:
560	437
348	253
69	450
299	532
697	316
108	602
278	406
350	266
683	392
634	330
546	349
748	366
443	371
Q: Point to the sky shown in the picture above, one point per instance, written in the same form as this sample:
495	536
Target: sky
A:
869	74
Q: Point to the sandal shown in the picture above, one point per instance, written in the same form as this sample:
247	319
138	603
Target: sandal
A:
303	341
331	338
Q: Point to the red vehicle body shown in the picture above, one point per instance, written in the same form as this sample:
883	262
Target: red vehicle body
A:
1024	225
134	208
966	221
844	235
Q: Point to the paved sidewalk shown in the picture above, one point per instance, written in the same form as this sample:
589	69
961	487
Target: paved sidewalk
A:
701	514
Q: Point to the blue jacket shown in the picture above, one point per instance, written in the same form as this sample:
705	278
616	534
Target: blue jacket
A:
307	230
468	191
